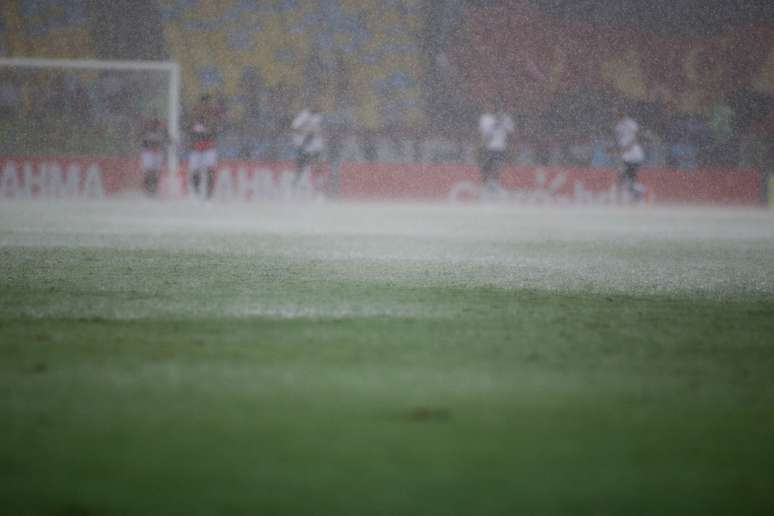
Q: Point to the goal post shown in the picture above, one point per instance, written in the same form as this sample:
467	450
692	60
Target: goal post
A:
169	68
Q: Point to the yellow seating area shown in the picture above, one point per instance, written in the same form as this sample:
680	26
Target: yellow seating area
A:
218	41
368	47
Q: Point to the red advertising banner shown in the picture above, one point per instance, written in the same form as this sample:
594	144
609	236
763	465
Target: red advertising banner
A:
65	177
90	178
546	184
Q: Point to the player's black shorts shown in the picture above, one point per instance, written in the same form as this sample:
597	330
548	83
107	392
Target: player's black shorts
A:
630	170
304	158
490	162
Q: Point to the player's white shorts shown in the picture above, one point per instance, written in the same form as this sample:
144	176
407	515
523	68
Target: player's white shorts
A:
202	160
151	160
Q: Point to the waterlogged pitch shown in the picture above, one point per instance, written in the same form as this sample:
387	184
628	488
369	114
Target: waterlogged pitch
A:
351	359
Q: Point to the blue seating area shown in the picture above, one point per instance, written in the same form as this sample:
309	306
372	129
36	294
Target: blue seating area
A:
50	28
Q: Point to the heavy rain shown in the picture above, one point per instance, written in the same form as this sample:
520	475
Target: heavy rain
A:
386	257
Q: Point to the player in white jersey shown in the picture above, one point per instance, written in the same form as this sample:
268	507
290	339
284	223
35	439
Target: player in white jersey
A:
632	155
154	138
307	139
494	127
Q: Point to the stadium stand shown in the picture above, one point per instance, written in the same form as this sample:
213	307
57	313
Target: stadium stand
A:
693	92
53	29
45	28
362	56
403	80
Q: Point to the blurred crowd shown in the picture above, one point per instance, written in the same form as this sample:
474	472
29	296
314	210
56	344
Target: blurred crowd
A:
425	111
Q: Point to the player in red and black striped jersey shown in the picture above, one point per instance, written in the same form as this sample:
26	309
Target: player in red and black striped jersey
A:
154	138
203	132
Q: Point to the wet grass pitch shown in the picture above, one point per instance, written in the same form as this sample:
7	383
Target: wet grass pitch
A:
193	359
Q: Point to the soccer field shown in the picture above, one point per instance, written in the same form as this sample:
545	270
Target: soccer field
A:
396	359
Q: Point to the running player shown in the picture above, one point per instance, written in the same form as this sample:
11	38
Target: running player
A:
154	138
494	126
203	160
307	140
632	155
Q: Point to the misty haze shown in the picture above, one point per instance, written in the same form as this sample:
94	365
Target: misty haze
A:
386	257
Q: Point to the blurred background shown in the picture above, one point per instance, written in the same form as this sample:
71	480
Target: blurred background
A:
404	80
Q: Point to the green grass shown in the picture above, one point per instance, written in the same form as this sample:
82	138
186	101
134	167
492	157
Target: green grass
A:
251	373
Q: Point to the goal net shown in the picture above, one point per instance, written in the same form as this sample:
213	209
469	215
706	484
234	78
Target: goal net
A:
73	127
